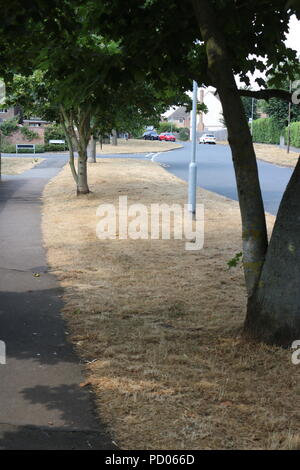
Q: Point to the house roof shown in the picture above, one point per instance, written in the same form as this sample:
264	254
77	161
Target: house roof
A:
180	113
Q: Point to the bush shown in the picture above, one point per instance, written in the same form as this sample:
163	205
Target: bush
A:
184	134
55	147
295	134
28	133
266	131
11	148
54	132
167	127
9	126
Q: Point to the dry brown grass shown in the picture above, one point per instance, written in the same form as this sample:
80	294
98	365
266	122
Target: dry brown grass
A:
137	146
16	165
273	154
161	326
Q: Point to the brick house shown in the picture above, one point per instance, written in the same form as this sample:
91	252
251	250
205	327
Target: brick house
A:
35	124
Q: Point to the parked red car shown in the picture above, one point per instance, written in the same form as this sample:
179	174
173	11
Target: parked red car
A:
167	136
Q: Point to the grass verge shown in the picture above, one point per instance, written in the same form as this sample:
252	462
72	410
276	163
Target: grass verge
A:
137	146
273	154
160	326
15	166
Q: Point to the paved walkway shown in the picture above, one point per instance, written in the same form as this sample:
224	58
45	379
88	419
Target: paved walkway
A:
42	405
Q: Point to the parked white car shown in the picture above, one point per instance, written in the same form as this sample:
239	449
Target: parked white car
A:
207	139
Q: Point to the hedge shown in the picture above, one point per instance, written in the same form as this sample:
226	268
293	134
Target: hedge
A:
55	147
11	148
266	131
184	134
295	134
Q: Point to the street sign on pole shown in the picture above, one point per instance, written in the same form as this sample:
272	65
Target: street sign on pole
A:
193	163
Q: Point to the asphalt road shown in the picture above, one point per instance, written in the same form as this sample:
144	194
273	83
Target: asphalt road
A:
216	173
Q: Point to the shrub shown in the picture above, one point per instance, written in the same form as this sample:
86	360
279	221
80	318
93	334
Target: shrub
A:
266	130
9	126
167	127
295	134
55	147
54	132
28	133
11	148
184	134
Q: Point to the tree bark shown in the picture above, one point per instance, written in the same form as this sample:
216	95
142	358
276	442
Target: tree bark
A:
77	128
82	183
69	137
273	313
92	150
114	140
268	94
83	123
250	199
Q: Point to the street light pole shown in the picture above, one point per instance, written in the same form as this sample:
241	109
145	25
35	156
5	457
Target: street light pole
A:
193	164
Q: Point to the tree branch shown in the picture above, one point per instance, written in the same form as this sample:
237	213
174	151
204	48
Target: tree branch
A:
268	94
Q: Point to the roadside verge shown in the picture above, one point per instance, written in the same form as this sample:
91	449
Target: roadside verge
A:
160	326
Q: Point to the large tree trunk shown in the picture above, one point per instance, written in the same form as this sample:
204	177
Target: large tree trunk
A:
92	150
273	314
272	274
244	159
114	140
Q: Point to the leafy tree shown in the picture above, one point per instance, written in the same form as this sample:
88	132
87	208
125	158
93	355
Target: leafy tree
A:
166	126
278	109
9	126
54	132
215	41
247	103
98	44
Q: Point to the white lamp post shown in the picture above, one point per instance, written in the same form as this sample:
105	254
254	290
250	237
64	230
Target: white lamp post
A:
193	164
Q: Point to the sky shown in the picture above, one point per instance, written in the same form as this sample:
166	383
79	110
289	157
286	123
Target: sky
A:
292	41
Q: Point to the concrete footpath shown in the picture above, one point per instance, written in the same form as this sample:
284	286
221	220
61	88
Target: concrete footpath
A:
42	405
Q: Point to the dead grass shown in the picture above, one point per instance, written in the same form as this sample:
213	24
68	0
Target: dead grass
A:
273	154
16	165
137	146
161	326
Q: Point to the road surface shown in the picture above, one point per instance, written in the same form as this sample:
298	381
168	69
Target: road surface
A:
215	172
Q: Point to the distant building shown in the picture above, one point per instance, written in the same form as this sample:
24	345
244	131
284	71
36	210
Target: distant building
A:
211	121
17	137
180	117
8	113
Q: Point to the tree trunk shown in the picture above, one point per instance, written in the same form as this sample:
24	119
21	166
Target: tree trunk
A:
272	274
250	199
83	125
273	314
114	140
92	150
82	183
69	139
